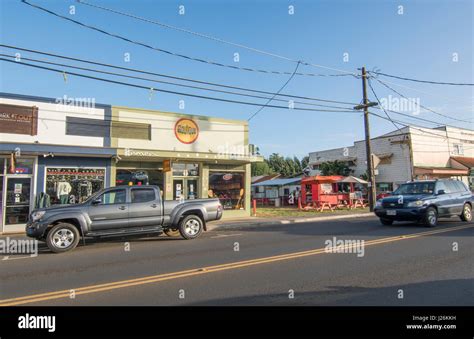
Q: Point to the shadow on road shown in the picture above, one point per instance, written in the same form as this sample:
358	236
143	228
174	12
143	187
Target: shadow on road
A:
452	292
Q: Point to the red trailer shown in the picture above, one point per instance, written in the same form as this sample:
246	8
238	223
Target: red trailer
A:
329	192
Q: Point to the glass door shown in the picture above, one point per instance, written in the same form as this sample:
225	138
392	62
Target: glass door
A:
17	202
185	189
191	189
178	189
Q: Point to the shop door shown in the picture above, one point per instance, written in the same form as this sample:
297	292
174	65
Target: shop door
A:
17	202
185	189
178	189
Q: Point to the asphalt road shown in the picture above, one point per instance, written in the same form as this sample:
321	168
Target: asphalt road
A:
405	264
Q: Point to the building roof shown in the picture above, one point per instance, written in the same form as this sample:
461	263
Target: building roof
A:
278	182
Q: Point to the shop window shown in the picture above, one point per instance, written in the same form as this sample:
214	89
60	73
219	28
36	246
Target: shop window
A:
87	127
185	170
139	177
73	185
143	195
229	188
20	166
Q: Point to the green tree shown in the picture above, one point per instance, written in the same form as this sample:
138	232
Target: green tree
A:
261	168
335	168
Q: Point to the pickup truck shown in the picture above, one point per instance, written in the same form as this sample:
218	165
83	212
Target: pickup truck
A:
122	210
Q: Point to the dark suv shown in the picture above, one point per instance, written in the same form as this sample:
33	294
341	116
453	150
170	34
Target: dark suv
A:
425	201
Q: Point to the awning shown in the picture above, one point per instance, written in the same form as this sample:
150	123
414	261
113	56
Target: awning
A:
279	182
447	171
355	180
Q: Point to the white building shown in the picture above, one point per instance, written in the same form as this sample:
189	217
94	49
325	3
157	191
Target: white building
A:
408	153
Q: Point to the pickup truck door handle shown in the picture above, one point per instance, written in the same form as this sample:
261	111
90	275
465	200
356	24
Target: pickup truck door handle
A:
154	205
122	208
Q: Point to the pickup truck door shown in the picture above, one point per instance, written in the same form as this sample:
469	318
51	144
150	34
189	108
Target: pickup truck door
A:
111	212
146	207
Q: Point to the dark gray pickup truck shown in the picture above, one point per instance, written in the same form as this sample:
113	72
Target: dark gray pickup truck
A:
123	210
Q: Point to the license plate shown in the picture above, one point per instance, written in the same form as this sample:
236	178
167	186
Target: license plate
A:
391	212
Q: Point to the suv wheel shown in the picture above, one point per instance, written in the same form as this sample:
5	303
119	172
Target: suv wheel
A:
62	238
172	232
190	227
386	221
466	214
431	217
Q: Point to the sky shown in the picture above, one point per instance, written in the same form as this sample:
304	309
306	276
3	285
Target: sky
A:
423	39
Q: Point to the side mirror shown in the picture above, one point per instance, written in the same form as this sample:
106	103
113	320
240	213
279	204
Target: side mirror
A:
440	192
97	201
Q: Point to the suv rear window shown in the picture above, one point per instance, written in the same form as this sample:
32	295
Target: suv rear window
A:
142	195
460	185
452	186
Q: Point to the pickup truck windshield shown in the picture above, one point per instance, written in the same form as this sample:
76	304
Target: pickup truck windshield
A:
415	188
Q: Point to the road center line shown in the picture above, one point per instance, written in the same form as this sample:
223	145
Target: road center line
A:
204	270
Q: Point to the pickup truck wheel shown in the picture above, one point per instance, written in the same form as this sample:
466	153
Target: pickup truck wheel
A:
62	238
466	214
386	221
172	232
190	227
431	217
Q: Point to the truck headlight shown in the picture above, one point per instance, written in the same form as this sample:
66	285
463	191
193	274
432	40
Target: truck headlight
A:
416	203
37	215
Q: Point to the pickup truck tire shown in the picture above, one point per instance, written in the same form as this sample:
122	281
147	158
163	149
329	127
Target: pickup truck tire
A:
172	232
191	226
386	221
62	238
431	217
466	214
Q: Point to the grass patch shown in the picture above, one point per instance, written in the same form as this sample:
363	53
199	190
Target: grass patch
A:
294	212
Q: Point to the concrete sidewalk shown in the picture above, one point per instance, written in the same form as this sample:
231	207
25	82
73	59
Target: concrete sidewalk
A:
259	221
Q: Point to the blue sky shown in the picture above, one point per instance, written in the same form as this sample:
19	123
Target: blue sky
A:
419	44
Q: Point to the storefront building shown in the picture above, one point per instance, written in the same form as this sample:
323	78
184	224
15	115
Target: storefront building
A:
63	150
52	151
188	156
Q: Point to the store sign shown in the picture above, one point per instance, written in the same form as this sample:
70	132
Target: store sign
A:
227	176
186	131
18	119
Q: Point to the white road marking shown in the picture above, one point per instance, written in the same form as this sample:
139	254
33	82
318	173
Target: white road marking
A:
226	235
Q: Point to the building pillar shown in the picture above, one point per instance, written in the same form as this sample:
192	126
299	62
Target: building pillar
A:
204	181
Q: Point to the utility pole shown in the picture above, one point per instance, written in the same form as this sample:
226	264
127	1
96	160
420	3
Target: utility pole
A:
368	149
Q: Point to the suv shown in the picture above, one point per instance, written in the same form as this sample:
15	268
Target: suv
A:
121	210
425	201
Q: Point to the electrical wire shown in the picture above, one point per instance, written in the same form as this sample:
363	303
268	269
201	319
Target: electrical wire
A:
281	88
162	82
419	105
135	42
174	77
381	106
423	81
167	91
206	36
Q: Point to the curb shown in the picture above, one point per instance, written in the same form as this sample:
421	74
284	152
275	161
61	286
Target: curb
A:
211	227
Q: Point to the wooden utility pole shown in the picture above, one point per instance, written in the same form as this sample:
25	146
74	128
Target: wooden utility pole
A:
368	149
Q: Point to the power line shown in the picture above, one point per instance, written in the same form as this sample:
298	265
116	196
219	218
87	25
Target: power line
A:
281	88
121	37
381	106
419	105
206	36
423	81
174	77
167	91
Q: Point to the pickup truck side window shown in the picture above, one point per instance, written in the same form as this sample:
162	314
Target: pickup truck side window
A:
143	195
114	197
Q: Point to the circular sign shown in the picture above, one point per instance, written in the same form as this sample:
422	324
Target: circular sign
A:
227	176
186	130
